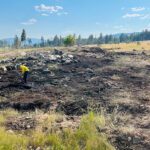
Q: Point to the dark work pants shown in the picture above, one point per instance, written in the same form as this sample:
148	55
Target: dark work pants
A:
25	76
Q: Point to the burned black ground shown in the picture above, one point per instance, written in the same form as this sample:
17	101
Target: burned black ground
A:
117	82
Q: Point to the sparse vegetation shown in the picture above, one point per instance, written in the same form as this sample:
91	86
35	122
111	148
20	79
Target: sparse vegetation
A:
85	137
11	141
75	80
9	53
127	46
69	40
4	114
74	75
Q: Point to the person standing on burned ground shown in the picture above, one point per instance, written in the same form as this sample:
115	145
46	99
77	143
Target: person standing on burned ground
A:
24	71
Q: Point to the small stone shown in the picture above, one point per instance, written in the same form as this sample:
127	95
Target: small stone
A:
28	126
28	117
38	148
3	68
30	147
129	138
10	131
65	85
70	56
89	70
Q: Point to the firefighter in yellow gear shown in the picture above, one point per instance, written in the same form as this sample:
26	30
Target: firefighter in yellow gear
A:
25	72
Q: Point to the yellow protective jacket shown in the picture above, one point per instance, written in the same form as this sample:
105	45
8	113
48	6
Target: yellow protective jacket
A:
23	69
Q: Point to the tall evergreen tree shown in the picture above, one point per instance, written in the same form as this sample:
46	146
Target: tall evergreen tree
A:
61	41
29	41
42	44
106	39
79	40
116	40
123	38
100	39
23	37
56	41
16	42
90	39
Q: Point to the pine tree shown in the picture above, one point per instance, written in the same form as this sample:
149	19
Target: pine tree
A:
23	37
79	40
42	42
29	41
56	41
110	39
16	42
90	39
123	38
106	39
100	39
60	41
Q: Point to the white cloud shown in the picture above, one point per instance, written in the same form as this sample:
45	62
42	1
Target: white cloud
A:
30	22
137	9
44	14
48	9
131	15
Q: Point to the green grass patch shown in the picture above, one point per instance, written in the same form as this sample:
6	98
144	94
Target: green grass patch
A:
4	114
10	141
86	137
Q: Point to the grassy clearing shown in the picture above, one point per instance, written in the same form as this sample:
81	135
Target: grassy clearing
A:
10	53
128	46
86	137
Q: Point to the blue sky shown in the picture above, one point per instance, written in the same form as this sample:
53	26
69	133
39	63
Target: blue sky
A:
62	17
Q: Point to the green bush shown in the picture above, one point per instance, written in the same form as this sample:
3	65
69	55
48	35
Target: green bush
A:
69	40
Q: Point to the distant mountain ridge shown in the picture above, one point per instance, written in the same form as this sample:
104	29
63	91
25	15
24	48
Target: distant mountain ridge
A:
10	41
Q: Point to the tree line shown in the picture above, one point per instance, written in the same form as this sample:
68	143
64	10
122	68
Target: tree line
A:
23	41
